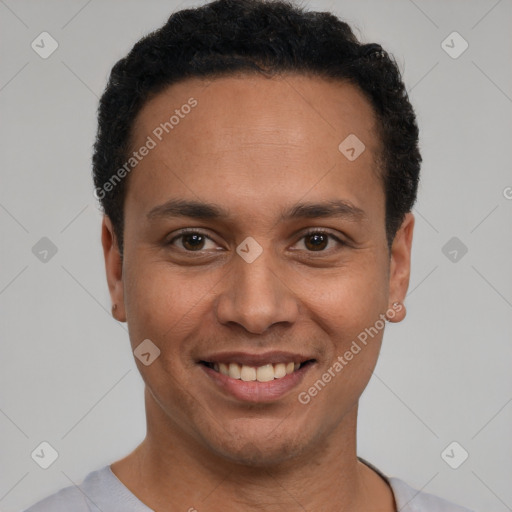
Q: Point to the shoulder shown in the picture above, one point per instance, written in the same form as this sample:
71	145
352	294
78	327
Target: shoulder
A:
79	498
69	498
409	499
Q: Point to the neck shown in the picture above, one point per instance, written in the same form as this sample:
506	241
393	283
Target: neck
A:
170	470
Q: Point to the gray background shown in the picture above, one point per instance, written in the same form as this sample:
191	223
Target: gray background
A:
66	372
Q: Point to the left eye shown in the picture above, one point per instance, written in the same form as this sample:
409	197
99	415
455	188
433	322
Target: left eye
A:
317	241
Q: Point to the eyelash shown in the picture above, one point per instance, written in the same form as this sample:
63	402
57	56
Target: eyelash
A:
310	232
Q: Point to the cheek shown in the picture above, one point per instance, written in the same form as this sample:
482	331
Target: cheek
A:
355	329
348	300
161	300
349	307
162	306
170	307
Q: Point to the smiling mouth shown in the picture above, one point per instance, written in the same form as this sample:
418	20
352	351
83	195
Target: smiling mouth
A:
263	373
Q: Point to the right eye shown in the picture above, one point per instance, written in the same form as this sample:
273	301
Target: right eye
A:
190	240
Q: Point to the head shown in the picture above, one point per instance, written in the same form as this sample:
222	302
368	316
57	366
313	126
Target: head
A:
288	150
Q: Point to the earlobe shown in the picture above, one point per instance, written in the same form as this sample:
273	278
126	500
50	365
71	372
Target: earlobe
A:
396	313
113	268
400	267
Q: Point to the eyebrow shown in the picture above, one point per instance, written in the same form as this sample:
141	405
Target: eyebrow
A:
209	211
334	208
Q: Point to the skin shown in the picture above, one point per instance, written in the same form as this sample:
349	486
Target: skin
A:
255	146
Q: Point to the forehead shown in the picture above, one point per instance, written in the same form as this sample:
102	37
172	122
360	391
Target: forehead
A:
248	137
261	106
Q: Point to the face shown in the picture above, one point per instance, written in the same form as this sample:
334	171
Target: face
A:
255	248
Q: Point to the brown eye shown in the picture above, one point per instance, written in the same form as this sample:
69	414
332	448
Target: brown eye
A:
193	242
316	241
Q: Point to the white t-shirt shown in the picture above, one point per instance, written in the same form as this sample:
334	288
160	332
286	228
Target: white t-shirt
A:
102	491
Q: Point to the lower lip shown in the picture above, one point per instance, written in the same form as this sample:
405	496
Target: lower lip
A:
255	391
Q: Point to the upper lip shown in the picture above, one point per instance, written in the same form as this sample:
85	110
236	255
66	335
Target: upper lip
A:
256	360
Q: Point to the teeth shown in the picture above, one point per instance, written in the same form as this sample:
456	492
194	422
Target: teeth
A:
248	373
234	371
279	370
263	373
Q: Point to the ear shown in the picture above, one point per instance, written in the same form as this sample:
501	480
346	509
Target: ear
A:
400	266
114	269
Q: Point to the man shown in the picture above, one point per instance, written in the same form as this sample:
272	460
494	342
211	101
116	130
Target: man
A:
257	167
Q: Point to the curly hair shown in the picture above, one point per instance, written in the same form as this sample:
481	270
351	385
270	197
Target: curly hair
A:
228	37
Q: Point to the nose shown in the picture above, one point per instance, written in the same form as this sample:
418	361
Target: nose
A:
256	295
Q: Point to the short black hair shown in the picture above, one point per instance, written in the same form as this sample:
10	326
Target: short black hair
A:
227	37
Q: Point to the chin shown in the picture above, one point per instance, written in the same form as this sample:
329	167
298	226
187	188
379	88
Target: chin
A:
261	449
